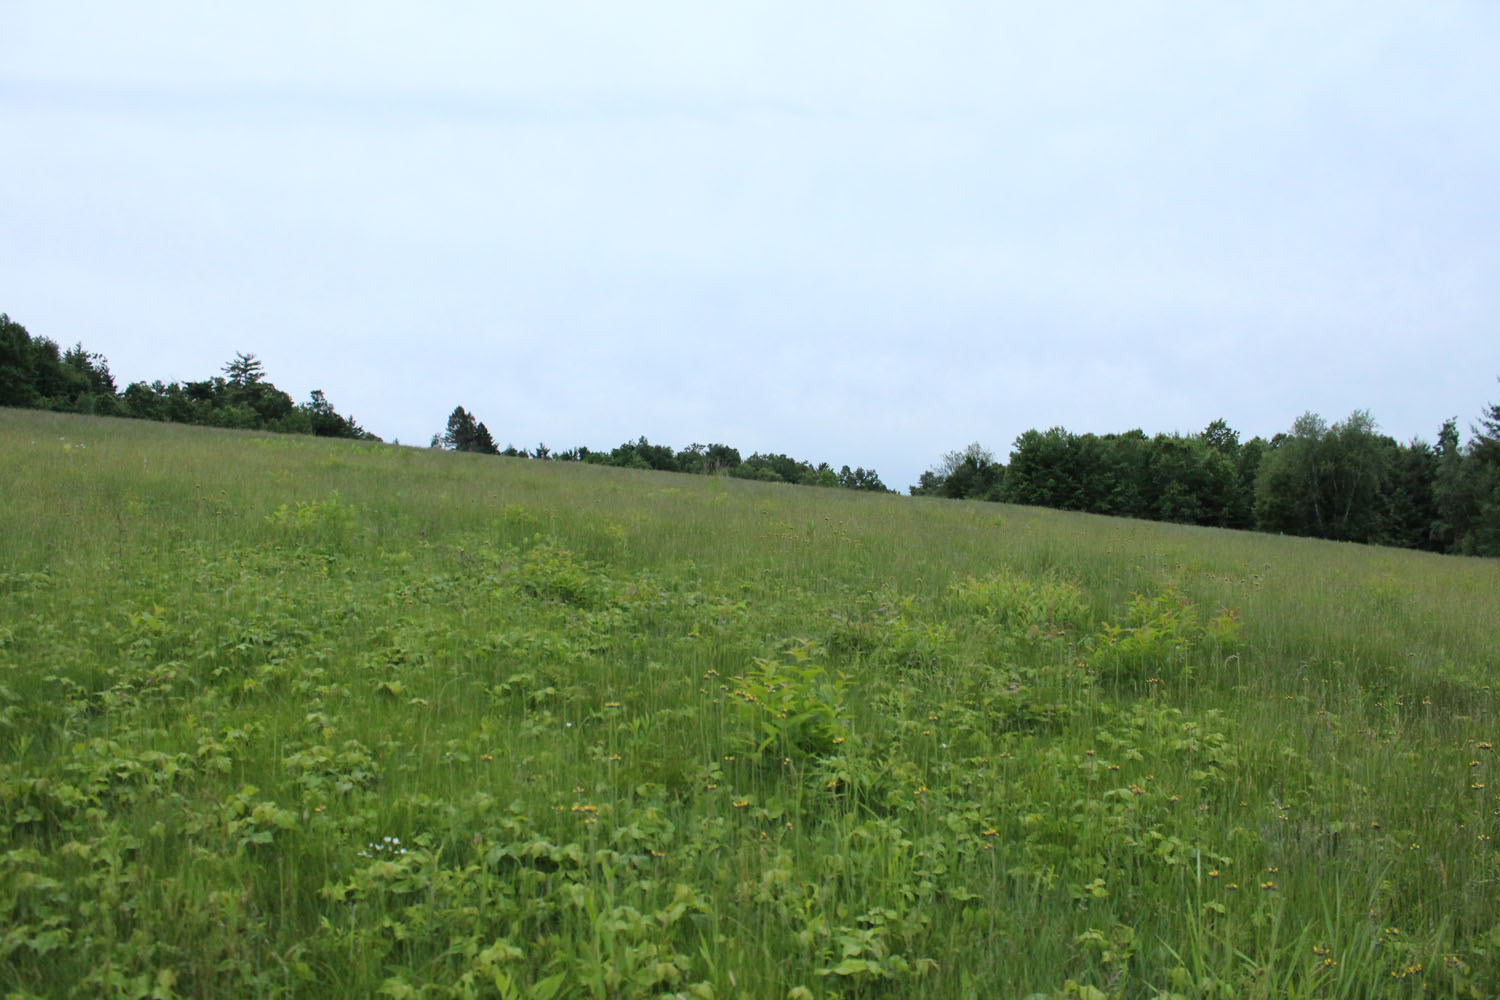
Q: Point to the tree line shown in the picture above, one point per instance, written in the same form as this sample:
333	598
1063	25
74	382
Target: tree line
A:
36	374
1344	481
465	432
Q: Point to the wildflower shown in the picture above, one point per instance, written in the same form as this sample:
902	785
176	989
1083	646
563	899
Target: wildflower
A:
742	803
1268	886
1213	873
1484	746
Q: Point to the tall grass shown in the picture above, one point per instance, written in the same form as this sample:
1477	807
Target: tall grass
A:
281	716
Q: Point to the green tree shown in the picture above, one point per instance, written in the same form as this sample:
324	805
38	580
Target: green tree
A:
707	459
97	392
1325	482
1411	498
642	454
1221	438
462	430
1084	472
1468	486
17	374
465	433
1188	481
861	479
244	371
971	473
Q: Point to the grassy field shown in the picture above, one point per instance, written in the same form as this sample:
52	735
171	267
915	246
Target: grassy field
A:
287	717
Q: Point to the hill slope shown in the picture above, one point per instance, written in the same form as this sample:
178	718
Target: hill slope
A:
281	716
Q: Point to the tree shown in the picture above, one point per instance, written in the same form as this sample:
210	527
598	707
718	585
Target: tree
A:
970	473
708	459
1411	505
1481	482
93	368
1187	480
244	371
1241	513
17	377
461	430
484	442
642	454
1075	472
861	479
1325	482
1221	438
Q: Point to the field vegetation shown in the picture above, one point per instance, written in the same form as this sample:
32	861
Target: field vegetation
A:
289	716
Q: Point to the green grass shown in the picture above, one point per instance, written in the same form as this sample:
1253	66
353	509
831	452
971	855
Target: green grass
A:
641	734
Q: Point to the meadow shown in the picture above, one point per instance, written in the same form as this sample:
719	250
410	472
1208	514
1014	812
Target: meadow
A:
288	717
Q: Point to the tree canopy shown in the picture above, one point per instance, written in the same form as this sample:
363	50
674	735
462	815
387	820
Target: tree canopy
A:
35	374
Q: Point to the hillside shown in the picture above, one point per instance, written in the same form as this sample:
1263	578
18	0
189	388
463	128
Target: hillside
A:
282	716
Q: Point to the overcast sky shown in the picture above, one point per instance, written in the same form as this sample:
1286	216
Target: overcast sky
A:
862	233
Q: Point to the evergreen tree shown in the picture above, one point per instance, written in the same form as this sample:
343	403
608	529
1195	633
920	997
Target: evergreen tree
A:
462	430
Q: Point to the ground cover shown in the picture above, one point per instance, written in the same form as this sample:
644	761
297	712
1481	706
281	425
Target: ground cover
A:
290	717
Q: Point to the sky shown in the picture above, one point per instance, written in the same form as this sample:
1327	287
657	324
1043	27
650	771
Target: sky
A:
861	233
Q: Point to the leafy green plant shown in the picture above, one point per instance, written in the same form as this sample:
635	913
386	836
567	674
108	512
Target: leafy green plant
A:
1045	607
1159	638
791	705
